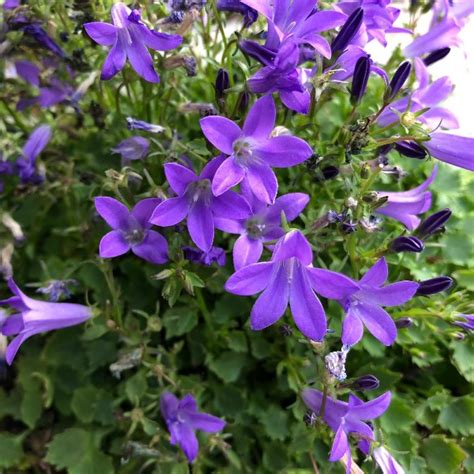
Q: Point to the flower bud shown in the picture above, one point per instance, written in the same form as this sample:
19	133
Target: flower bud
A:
257	51
134	124
433	224
242	103
329	172
348	31
403	323
360	79
222	83
398	79
407	244
434	285
365	383
436	56
411	150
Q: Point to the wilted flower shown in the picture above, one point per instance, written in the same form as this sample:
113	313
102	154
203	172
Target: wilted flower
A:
183	419
34	317
335	363
196	202
134	124
405	206
57	289
131	230
347	418
129	38
289	278
133	148
253	151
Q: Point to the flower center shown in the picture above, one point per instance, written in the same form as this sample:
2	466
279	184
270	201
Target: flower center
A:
134	236
199	191
242	151
255	228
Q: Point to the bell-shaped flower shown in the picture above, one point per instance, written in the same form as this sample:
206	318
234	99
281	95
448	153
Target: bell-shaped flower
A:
129	38
404	206
131	230
34	317
263	224
133	148
452	149
196	202
363	303
289	278
252	150
346	419
387	463
183	419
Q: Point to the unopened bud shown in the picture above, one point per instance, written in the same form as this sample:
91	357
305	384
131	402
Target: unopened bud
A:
403	323
365	383
433	224
434	285
407	244
398	80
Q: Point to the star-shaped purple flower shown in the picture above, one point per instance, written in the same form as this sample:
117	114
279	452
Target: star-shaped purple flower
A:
183	418
129	38
34	317
405	206
363	305
347	418
263	225
252	150
131	230
196	202
289	278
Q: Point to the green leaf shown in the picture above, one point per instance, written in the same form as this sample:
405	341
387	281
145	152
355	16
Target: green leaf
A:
399	417
31	407
275	421
78	451
136	387
228	366
463	355
458	416
180	320
443	455
11	451
92	404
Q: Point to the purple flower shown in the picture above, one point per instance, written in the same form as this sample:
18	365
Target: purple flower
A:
379	18
387	463
452	149
214	255
253	151
466	321
289	278
405	205
133	148
196	202
57	289
135	124
263	225
37	32
236	6
347	418
363	303
28	71
129	38
183	419
34	317
298	20
26	164
284	77
11	4
131	230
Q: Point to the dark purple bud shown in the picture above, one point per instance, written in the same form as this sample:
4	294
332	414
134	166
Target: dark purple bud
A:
360	79
404	323
433	224
434	285
384	149
41	37
222	83
407	244
329	172
348	31
257	51
365	383
398	79
411	150
242	103
436	56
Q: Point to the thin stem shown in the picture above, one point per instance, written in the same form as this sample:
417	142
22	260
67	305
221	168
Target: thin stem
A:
313	462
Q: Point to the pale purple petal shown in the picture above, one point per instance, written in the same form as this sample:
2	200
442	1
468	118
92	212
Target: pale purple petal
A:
211	167
272	303
15	344
160	41
331	284
321	21
319	43
228	175
377	274
230	205
377	321
334	411
37	141
112	211
229	225
102	33
306	308
250	280
179	177
452	149
113	244
297	101
221	132
170	212
284	151
115	60
168	405
186	439
372	409
203	421
390	295
352	329
291	204
141	60
293	244
340	445
153	248
143	210
263	182
201	225
260	119
246	251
